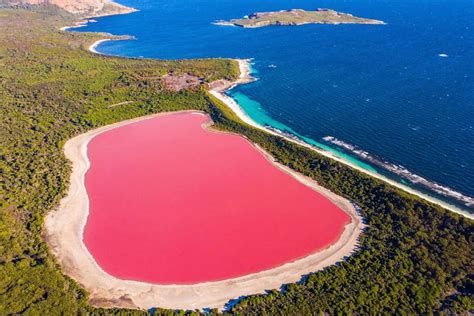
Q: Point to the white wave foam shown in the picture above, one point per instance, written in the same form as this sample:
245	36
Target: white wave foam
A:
403	172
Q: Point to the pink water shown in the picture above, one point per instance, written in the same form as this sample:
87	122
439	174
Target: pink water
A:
173	203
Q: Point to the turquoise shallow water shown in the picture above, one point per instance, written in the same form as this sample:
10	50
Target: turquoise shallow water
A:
255	111
385	96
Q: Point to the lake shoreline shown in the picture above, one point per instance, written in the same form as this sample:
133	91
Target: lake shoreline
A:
65	227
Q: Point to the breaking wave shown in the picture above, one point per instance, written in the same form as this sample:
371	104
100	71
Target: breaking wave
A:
403	172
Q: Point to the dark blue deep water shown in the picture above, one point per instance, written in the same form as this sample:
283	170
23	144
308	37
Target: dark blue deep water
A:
384	89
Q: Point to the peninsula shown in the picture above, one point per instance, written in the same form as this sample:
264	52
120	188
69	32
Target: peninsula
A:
298	17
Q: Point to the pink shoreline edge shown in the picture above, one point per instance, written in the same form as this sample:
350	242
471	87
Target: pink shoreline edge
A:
64	233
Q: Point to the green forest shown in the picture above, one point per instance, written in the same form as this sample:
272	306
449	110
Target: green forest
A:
414	257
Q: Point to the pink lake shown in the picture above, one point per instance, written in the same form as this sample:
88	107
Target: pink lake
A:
174	203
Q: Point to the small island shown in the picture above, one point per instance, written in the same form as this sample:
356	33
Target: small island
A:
298	17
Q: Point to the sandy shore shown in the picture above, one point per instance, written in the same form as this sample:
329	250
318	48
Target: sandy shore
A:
218	90
67	28
93	47
64	232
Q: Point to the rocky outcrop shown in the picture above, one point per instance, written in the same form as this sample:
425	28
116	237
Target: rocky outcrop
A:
83	8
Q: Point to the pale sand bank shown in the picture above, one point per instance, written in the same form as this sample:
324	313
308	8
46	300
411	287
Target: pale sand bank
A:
93	47
64	233
218	90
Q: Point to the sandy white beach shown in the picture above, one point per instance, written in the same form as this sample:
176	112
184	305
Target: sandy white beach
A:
93	47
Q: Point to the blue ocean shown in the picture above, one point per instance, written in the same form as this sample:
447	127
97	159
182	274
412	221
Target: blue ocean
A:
395	98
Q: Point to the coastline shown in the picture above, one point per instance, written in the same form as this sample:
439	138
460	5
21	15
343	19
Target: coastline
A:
64	233
218	91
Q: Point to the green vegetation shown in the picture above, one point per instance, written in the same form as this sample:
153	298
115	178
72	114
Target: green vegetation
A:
51	89
298	17
414	257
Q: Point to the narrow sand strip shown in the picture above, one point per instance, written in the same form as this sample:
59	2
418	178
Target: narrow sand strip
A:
64	233
218	90
93	47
